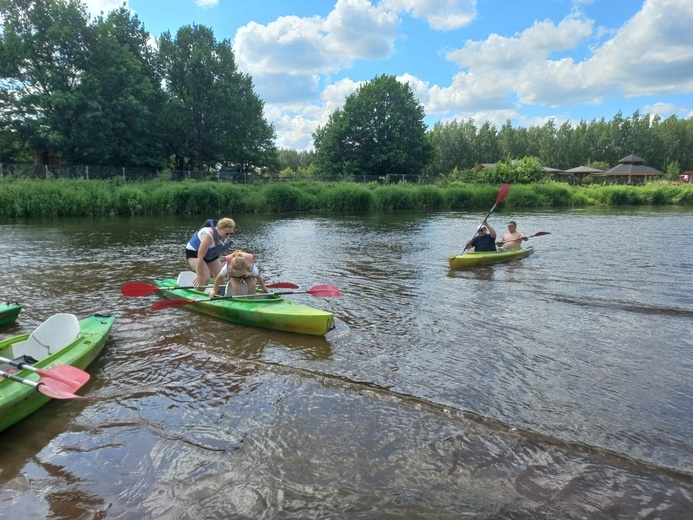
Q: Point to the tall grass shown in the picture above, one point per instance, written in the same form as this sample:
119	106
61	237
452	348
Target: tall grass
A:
74	198
389	197
349	197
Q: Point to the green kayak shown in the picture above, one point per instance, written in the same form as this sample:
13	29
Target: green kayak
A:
9	312
488	257
269	311
60	340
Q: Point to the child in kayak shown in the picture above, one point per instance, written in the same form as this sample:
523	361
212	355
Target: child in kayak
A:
242	271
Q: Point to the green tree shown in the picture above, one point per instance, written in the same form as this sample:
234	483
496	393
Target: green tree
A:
44	51
380	131
511	142
673	171
123	124
452	150
78	87
547	144
214	110
486	145
294	159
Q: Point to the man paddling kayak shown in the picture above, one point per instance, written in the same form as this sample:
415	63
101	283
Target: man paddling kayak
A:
484	240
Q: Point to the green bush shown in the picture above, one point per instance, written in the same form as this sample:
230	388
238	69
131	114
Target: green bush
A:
458	198
350	197
131	200
395	197
430	198
284	198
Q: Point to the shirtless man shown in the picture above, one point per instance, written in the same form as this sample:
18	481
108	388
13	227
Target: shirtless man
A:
512	239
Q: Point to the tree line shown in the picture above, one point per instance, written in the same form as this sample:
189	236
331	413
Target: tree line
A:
96	91
665	144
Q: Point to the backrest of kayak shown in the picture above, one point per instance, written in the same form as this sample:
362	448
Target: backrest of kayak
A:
54	334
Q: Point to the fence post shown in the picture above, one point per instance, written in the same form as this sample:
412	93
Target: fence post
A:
87	170
124	174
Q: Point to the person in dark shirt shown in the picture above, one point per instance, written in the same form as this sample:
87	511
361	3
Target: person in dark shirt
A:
485	240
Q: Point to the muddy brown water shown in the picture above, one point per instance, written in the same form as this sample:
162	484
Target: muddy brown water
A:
557	386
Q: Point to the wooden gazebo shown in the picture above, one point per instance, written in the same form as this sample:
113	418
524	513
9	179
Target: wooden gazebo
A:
630	170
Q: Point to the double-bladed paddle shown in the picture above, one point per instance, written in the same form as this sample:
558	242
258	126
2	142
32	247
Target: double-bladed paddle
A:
538	234
49	386
65	373
145	289
502	193
320	291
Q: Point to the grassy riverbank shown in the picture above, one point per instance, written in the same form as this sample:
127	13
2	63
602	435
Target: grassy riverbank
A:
77	198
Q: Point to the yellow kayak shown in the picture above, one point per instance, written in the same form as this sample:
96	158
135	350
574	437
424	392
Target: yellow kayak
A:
488	257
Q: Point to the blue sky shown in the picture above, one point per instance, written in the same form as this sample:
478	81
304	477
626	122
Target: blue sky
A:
488	60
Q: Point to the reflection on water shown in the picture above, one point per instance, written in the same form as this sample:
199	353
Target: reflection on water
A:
557	386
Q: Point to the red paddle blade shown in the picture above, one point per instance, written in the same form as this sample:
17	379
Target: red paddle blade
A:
58	389
324	291
167	304
281	285
66	374
540	233
138	289
502	193
53	390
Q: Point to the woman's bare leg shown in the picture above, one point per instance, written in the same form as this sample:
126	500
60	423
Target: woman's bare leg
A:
205	270
215	267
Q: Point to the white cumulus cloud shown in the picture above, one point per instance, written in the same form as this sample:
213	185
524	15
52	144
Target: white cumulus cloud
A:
440	14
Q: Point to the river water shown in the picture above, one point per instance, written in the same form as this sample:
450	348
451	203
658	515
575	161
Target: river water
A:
556	386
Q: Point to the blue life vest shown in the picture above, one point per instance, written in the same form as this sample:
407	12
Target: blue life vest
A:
220	244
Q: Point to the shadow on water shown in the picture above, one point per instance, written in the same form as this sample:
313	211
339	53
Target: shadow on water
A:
482	273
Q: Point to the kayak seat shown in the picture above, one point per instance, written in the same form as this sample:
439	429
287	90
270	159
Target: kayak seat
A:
54	334
186	279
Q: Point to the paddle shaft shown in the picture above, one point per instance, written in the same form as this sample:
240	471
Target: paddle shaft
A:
27	382
145	289
539	234
317	291
43	387
66	373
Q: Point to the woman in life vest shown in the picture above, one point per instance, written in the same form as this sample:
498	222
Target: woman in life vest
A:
205	247
241	269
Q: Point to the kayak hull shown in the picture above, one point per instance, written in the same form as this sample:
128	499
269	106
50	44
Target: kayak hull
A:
9	312
268	311
18	400
488	257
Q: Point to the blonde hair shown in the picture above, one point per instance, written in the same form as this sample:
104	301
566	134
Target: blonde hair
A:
225	223
239	263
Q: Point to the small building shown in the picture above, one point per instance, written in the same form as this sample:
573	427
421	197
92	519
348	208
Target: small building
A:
484	166
578	173
630	170
44	161
231	173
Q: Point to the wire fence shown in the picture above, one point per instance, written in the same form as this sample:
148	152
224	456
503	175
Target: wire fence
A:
130	174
